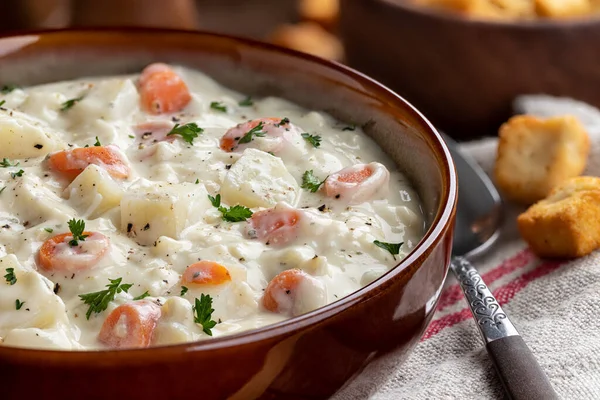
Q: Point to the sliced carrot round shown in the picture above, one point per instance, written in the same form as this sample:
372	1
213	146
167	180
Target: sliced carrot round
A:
358	183
130	325
276	226
162	90
274	127
56	254
205	273
280	293
71	163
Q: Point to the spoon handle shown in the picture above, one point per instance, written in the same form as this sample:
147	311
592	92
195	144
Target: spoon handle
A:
521	375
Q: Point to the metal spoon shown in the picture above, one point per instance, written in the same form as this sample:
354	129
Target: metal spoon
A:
477	227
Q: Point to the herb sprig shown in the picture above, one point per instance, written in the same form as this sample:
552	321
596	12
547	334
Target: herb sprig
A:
393	248
188	132
315	140
256	131
219	106
203	313
6	89
142	296
183	291
76	227
232	214
70	103
5	163
19	304
98	301
247	102
19	174
311	182
10	276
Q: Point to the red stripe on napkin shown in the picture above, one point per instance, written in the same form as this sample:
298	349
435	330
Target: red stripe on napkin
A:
503	294
454	293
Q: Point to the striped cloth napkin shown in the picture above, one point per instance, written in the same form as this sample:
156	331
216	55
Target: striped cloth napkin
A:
555	306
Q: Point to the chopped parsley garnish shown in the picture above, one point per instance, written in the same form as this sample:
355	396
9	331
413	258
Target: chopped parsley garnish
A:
311	182
131	136
49	230
188	132
70	103
283	121
76	227
19	173
2	103
232	214
6	89
197	181
5	163
183	291
98	301
142	296
247	102
393	248
97	144
219	106
315	140
19	304
349	128
203	313
256	131
10	276
3	188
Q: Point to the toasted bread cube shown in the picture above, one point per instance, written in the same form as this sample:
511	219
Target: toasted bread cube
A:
567	223
562	8
535	155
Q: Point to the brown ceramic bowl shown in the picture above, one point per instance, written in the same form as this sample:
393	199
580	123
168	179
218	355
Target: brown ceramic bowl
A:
310	356
464	73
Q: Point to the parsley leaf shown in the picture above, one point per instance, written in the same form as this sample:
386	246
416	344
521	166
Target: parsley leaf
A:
5	163
349	128
98	301
393	248
2	190
247	102
188	132
97	144
19	304
2	103
203	313
70	103
76	227
19	173
49	230
6	89
142	296
183	291
256	131
232	214
311	182
284	121
131	136
315	140
197	181
219	106
10	276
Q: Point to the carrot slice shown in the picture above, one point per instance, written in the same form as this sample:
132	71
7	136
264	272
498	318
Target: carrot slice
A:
272	126
358	183
356	176
276	226
130	325
280	293
71	163
162	90
56	254
205	273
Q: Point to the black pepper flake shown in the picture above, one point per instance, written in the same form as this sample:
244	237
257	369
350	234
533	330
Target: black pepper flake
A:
175	119
228	166
166	281
368	223
337	196
322	208
39	146
129	227
287	291
147	226
146	135
26	223
7	226
73	276
56	288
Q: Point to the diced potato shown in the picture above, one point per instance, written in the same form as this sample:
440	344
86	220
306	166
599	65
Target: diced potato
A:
109	100
150	212
258	179
41	308
301	257
34	202
176	323
51	339
93	192
22	137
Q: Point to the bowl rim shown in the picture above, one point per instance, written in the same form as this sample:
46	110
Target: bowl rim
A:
440	224
457	17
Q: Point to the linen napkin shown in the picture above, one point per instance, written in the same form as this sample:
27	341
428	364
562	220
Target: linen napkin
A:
555	306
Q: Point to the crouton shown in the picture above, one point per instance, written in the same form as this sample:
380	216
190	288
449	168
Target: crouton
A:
562	8
567	223
535	155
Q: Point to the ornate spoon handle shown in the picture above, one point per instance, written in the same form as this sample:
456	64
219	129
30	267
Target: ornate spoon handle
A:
521	375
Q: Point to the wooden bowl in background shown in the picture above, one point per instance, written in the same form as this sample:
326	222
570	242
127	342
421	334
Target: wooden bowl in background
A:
464	73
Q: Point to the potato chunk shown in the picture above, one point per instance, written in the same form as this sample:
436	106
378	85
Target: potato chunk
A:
535	155
94	192
150	212
562	8
567	223
24	138
258	179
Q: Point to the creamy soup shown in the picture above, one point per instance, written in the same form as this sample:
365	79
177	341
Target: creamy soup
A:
165	208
